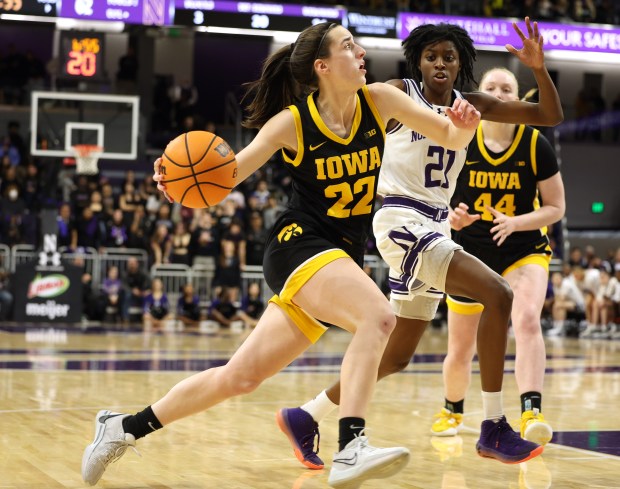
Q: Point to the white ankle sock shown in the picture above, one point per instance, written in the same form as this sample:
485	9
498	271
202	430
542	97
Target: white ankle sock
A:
319	407
492	405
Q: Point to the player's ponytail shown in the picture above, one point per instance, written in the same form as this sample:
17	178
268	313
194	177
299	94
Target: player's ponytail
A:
288	74
273	91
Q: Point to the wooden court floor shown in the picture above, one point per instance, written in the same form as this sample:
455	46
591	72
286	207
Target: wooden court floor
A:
52	383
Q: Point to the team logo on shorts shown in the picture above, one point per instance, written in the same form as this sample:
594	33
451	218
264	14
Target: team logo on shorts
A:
290	232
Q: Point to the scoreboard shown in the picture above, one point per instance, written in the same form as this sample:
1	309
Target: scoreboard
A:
145	12
30	7
254	15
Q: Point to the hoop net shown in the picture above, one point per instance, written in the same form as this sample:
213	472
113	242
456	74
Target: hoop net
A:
86	158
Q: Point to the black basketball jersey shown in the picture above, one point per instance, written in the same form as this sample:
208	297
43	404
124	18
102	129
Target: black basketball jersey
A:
506	181
334	179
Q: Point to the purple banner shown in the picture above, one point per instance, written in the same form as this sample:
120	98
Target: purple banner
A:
496	33
147	12
319	12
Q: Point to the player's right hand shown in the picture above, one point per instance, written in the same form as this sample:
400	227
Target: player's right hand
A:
159	178
463	114
531	54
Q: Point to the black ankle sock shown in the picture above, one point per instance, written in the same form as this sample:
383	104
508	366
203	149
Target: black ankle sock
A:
349	429
456	407
142	423
531	400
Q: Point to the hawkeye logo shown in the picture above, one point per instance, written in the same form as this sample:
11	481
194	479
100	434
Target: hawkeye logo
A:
290	232
49	286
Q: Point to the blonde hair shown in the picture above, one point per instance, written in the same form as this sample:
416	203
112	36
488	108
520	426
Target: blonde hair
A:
500	68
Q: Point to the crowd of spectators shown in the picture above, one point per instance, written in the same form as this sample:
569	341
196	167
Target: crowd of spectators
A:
584	298
590	11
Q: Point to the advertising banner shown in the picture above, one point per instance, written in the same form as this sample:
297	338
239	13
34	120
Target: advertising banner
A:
492	33
369	23
47	294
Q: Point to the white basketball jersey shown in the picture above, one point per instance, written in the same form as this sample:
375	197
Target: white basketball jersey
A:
417	167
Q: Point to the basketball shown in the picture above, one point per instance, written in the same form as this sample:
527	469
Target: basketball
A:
199	169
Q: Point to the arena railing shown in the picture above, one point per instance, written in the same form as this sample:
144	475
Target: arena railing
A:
174	276
118	257
5	257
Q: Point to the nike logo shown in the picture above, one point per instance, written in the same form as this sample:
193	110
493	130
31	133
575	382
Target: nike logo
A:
103	419
151	426
541	245
316	146
347	461
471	162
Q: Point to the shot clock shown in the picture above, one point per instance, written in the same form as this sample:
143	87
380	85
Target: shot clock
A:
81	55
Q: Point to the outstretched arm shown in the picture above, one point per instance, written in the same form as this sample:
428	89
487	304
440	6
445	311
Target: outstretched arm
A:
454	132
548	111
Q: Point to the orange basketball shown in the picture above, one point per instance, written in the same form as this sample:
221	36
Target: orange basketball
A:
199	169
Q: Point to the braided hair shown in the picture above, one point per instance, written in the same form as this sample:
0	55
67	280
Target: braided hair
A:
429	34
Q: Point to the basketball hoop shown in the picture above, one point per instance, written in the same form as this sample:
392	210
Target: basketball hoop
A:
86	158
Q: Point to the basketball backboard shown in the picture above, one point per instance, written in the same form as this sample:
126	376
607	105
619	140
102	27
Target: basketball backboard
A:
60	120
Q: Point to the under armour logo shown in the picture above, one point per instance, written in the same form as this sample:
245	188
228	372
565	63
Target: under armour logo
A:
47	259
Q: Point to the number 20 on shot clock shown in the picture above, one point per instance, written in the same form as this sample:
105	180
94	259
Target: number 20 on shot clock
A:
81	55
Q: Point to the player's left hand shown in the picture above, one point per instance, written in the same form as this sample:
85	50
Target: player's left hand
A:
531	54
159	178
463	114
504	225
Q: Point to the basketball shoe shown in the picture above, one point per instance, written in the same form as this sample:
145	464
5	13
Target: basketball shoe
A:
109	445
535	428
447	423
300	429
499	441
358	462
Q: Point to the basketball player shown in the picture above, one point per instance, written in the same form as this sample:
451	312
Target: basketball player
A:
412	231
332	143
510	169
